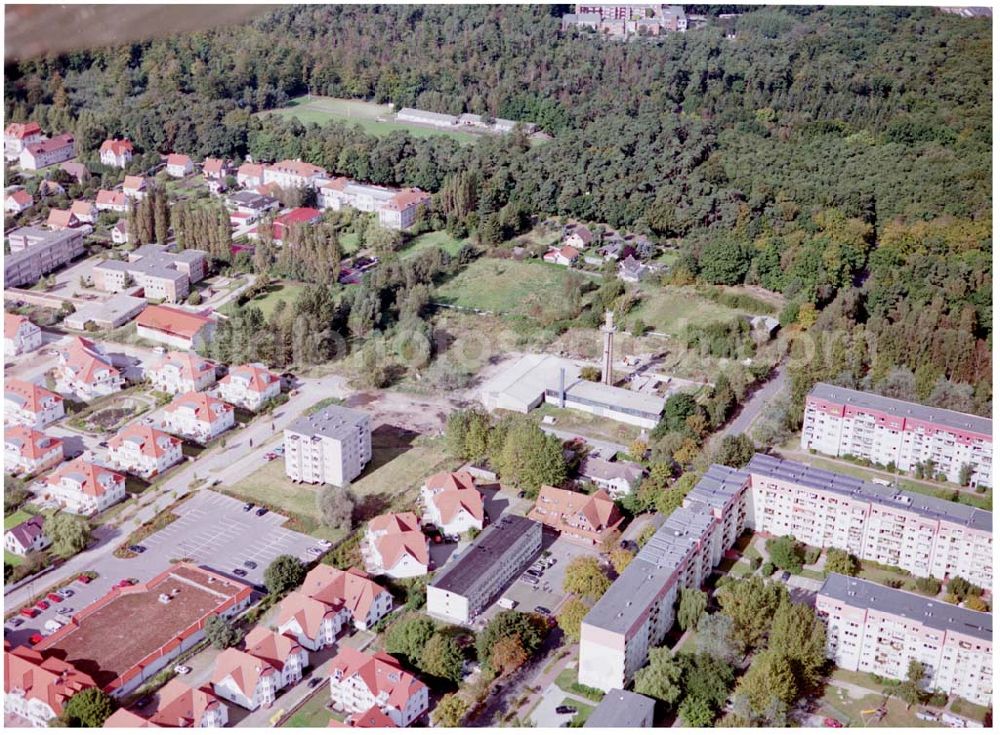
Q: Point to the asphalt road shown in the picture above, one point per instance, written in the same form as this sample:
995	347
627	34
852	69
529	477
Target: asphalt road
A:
752	408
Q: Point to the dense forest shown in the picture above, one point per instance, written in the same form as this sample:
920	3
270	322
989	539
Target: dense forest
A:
840	156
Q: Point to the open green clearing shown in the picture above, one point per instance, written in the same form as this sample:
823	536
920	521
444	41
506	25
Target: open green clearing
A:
588	425
437	239
10	521
671	309
374	119
313	712
287	290
837	703
503	286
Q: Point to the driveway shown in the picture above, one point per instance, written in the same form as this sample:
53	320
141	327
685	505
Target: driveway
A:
752	408
545	713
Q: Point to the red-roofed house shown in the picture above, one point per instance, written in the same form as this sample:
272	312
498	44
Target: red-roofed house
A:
177	705
47	152
26	537
245	680
112	201
249	386
179	165
178	328
249	175
182	372
395	546
18	135
215	168
85	211
37	688
579	238
18	201
134	187
328	600
19	335
585	519
116	152
85	488
373	717
565	255
198	416
61	219
144	451
401	211
29	451
85	369
282	652
283	223
453	502
293	174
30	405
360	681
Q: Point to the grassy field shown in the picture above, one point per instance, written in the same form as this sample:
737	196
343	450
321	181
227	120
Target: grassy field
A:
837	703
438	239
9	522
287	290
374	119
313	713
502	286
672	309
594	427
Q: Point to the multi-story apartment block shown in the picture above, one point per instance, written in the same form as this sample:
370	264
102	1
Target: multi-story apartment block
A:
453	502
182	372
839	422
360	681
198	416
31	405
20	335
471	582
29	451
160	272
35	251
86	370
648	19
313	623
47	152
177	705
880	630
116	152
38	687
590	520
18	135
293	174
249	386
85	488
395	546
281	652
144	451
331	446
396	209
922	534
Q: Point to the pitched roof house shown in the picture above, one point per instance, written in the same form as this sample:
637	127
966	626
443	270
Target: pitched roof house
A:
61	219
144	451
85	488
564	255
585	519
38	687
29	451
134	187
30	405
115	152
179	165
87	370
20	335
395	546
112	201
182	372
453	502
249	386
245	679
178	705
26	537
18	201
360	681
175	327
365	601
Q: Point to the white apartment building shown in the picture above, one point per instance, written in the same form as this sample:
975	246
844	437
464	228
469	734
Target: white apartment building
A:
331	446
17	136
922	534
47	152
453	503
243	679
395	546
85	488
198	416
179	165
314	624
29	451
396	208
360	681
182	372
470	583
144	451
30	405
293	174
880	630
116	153
249	386
35	251
281	652
840	422
86	369
20	335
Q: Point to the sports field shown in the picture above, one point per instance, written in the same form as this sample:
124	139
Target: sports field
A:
374	119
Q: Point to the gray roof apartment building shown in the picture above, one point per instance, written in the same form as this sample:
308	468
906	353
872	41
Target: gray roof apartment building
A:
621	708
160	272
472	581
330	446
35	252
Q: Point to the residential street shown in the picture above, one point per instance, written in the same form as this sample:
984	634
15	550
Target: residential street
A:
743	421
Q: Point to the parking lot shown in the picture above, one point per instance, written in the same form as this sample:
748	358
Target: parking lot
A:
215	531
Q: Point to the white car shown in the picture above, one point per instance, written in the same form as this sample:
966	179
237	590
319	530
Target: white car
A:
182	669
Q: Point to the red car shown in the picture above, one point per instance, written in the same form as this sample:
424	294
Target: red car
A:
53	597
29	612
35	638
830	722
124	583
83	579
42	605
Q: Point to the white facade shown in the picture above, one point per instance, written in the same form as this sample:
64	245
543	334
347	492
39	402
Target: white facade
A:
19	135
332	446
28	451
198	416
182	373
30	405
36	711
396	693
263	694
144	451
249	386
116	153
20	335
84	488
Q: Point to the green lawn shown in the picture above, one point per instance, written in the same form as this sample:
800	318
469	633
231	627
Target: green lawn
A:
313	713
838	704
589	425
287	290
671	309
18	516
374	119
438	239
582	710
503	286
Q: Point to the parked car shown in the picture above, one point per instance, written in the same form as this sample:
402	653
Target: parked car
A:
65	610
270	456
315	682
54	597
83	579
280	450
29	612
542	610
143	701
565	709
926	716
102	444
42	605
182	669
522	494
785	576
240	572
17	622
325	543
123	583
35	638
830	722
51	626
137	548
261	511
250	564
248	506
67	592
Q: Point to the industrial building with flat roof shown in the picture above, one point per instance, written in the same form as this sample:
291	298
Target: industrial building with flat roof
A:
841	422
879	630
109	314
473	580
330	446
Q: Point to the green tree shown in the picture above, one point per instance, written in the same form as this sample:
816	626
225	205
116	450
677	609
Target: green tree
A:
442	658
586	577
716	637
696	712
843	562
960	588
786	553
285	573
528	627
770	675
408	637
620	559
751	603
68	533
734	451
336	506
676	410
450	711
708	679
662	677
221	633
725	261
570	618
690	607
88	708
508	655
801	637
531	458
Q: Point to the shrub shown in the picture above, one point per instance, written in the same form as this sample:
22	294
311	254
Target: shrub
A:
767	569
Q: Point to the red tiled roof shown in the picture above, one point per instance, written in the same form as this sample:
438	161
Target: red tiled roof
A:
245	669
152	442
272	647
31	394
299	168
253	170
380	673
52	144
134	183
213	166
117	146
181	705
22	197
82	208
205	407
12	323
352	589
172	321
30	443
407	198
84	361
373	717
394	546
257	376
337	184
593	516
94	479
61	219
111	198
178	159
49	680
190	364
395	522
22	130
